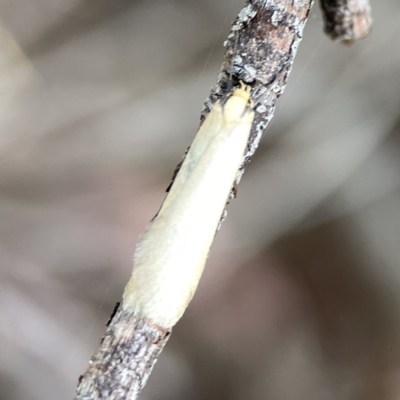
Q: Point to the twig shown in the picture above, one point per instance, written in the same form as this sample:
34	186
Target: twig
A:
260	50
123	362
347	20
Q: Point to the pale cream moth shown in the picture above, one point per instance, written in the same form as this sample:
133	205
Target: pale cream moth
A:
172	252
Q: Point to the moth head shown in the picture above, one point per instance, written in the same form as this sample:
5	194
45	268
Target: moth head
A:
238	104
243	93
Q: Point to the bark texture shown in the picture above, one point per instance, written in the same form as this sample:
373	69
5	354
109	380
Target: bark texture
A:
346	20
260	50
124	360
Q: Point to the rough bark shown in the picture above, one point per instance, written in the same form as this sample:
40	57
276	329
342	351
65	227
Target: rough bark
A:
124	360
260	50
346	20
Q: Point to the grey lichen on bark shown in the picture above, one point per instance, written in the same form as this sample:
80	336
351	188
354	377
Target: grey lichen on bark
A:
260	51
347	20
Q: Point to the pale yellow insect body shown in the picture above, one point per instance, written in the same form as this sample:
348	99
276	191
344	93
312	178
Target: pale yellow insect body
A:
172	252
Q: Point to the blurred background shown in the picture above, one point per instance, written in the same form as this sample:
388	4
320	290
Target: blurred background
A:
300	298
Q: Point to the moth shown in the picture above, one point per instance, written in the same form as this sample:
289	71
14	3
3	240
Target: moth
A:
171	254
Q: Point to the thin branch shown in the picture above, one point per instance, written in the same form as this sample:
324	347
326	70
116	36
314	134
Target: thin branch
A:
260	50
347	20
124	360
